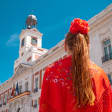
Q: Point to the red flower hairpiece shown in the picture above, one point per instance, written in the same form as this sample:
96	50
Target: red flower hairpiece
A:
79	26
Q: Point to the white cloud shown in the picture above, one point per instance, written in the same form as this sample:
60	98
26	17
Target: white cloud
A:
13	41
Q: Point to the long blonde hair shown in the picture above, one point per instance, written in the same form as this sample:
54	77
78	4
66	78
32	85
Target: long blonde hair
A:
82	83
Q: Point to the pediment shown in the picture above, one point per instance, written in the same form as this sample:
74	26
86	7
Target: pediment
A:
22	67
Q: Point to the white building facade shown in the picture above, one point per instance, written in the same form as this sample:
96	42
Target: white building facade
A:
21	93
101	40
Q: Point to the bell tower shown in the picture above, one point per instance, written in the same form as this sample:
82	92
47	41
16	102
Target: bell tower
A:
30	48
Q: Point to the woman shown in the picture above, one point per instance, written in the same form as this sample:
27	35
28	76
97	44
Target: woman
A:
75	83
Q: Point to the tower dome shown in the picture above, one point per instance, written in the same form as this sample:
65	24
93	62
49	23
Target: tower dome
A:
31	21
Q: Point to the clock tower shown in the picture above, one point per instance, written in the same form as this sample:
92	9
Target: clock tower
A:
30	48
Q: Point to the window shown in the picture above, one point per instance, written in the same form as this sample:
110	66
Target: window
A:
26	86
107	50
35	104
36	82
34	41
107	47
22	42
36	85
1	99
6	98
20	89
9	94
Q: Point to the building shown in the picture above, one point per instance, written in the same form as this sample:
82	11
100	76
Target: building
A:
101	40
21	92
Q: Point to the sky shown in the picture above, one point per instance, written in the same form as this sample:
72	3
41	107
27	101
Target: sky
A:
53	16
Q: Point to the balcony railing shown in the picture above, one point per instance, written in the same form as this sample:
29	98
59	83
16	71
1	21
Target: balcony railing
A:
107	58
19	95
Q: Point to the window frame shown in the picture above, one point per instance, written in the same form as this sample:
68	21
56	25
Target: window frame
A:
26	86
106	46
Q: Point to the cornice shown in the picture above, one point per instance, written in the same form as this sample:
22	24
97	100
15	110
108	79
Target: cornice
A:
101	17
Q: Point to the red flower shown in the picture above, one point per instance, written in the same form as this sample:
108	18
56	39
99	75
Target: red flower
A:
79	26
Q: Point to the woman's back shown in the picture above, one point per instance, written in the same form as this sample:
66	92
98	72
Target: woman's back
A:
58	94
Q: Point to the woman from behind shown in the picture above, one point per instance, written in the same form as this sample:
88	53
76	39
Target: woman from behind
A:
75	83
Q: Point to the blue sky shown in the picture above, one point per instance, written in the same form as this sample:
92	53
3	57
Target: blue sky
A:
54	17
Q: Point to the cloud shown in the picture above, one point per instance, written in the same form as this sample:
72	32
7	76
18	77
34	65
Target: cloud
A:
13	41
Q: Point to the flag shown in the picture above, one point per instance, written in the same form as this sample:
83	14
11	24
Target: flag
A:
13	90
17	88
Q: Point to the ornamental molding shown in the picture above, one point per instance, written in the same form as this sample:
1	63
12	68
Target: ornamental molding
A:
102	14
101	17
22	67
105	34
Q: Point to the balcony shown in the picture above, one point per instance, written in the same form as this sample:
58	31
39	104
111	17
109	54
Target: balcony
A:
25	93
107	58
